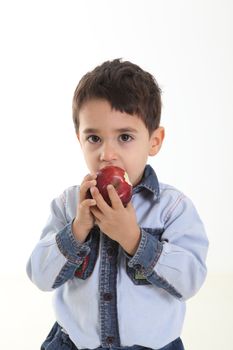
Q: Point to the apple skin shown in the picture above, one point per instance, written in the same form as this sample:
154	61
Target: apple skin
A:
119	179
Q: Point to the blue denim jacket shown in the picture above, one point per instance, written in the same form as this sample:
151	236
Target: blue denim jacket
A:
104	297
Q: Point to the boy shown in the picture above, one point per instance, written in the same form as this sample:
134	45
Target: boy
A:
121	274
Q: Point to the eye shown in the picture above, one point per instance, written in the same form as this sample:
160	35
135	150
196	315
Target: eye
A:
125	138
93	139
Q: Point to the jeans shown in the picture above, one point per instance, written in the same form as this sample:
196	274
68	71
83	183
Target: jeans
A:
59	340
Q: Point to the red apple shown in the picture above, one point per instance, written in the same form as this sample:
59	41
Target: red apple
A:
119	179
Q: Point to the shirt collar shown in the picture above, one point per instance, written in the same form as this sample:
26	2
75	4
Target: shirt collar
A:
149	182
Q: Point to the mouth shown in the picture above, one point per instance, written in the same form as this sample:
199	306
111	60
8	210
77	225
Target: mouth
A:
110	164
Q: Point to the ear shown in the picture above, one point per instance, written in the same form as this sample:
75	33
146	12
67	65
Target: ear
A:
79	139
156	140
78	136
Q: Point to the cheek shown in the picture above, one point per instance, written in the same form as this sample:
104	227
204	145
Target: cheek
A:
89	157
135	168
140	155
136	164
91	160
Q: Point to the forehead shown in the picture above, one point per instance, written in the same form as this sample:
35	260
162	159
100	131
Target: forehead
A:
98	114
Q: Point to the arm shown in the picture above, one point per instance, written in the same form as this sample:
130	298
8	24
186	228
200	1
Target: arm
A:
63	247
58	254
175	263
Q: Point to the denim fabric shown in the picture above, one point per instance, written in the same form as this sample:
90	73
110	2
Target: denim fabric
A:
144	260
139	268
108	294
59	340
76	254
103	296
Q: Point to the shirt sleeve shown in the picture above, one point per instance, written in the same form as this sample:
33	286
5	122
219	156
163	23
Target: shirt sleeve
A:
58	254
176	261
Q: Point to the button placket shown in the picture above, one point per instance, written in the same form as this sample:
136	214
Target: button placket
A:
108	295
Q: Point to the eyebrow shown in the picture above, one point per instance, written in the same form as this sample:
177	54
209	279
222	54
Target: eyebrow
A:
120	130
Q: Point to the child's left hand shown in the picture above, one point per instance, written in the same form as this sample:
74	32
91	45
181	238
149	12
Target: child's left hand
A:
117	222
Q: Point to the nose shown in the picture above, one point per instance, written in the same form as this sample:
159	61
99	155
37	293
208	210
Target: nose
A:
108	152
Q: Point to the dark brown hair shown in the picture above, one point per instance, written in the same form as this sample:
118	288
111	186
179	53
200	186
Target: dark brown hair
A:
127	88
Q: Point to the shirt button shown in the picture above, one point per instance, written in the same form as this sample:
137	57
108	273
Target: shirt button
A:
110	340
107	296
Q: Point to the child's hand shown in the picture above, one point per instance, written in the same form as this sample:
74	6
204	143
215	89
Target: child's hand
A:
84	219
117	222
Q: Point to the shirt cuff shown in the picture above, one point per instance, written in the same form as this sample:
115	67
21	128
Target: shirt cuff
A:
81	257
147	254
71	248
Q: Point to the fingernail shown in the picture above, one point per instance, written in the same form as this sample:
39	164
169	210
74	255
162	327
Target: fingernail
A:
93	190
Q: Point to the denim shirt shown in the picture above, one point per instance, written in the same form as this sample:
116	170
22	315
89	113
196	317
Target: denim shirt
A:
103	296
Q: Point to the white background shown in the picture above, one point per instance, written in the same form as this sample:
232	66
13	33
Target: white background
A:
46	47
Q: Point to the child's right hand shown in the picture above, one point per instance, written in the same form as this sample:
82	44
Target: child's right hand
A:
84	219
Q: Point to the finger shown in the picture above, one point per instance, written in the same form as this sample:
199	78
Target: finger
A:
114	197
84	188
100	202
89	177
87	203
82	191
97	213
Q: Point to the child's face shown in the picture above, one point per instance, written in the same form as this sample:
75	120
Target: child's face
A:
110	137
